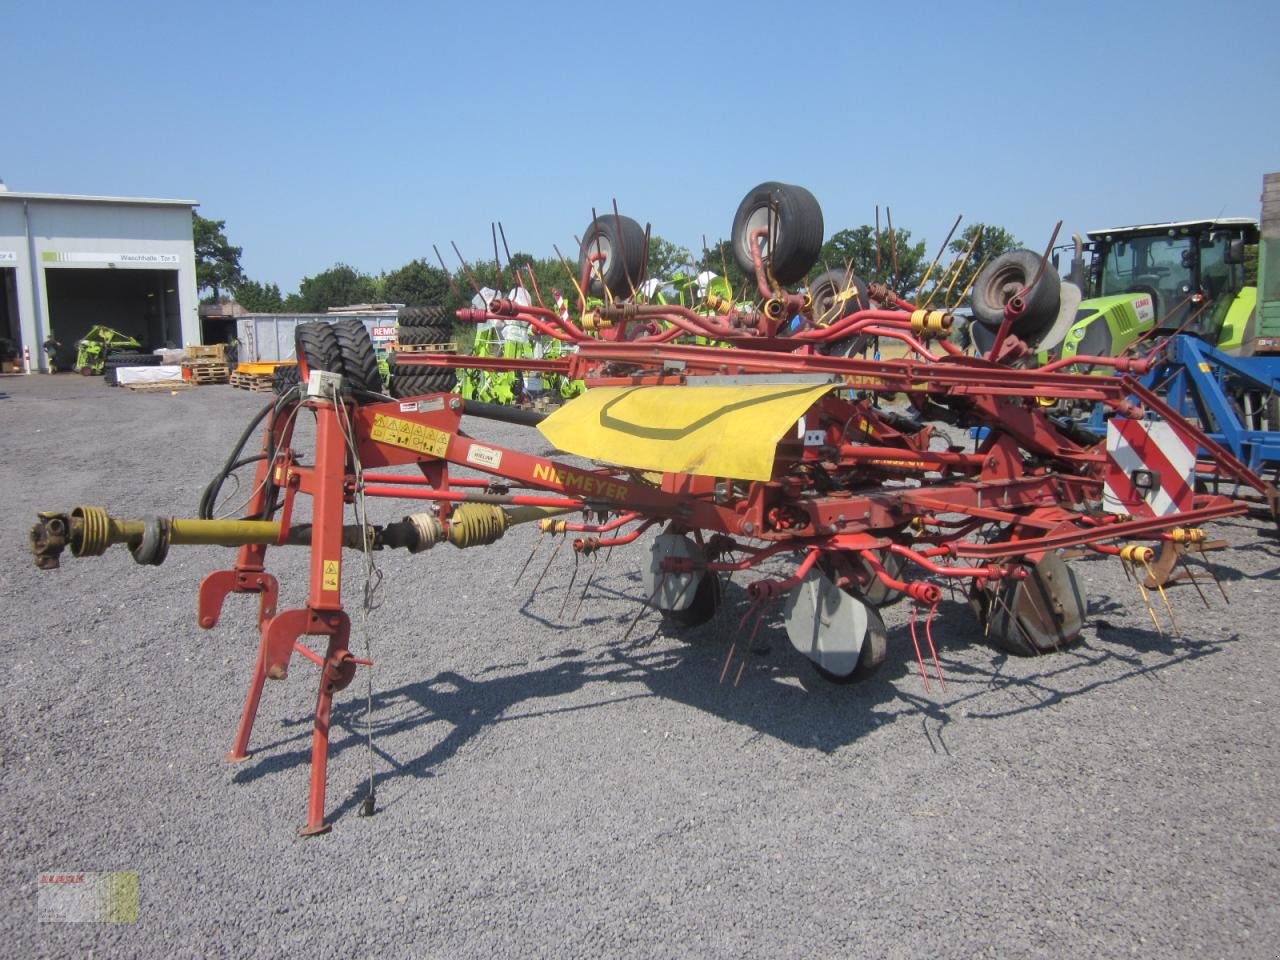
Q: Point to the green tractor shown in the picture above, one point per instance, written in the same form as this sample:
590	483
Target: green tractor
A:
1186	276
93	347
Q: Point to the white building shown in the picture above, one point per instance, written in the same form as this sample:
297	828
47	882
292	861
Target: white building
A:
68	262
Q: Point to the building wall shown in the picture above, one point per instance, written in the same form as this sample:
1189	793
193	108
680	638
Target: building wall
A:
72	234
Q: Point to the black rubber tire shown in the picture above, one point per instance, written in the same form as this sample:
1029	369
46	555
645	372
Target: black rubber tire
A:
414	381
870	659
622	242
422	316
359	360
285	379
110	377
1272	421
414	334
131	360
706	600
317	348
836	294
797	225
1002	279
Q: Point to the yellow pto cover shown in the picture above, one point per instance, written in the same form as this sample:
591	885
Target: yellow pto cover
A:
721	431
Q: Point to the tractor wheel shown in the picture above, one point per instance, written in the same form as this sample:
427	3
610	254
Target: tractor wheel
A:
414	381
796	221
621	241
1003	278
424	316
285	378
359	361
86	371
414	334
706	601
317	348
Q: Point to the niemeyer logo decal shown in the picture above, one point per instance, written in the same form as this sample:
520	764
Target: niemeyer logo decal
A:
583	483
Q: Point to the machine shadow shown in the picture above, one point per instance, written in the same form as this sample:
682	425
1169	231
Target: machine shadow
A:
759	683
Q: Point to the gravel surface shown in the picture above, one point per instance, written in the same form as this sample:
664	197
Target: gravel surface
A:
548	790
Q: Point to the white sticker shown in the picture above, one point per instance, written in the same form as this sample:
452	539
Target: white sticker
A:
1145	308
484	456
427	406
409	407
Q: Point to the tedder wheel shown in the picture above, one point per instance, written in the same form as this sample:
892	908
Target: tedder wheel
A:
317	348
795	218
1003	278
842	635
285	378
621	241
424	316
413	334
359	361
1040	614
706	601
836	294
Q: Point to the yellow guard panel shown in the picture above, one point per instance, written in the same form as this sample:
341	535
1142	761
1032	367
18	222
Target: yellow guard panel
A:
714	431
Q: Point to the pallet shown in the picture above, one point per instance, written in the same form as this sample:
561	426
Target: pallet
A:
214	353
160	387
257	382
208	373
425	348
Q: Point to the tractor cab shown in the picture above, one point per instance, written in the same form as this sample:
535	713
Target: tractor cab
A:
1178	266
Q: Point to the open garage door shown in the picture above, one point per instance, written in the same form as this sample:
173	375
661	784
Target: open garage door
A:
140	303
10	328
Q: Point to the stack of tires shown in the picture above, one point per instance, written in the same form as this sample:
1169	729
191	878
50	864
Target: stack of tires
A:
114	361
418	326
341	347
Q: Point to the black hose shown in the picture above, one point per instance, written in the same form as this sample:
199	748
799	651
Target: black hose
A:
209	498
496	411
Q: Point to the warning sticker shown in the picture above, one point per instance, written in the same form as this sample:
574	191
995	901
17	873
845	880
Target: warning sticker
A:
330	579
410	435
484	456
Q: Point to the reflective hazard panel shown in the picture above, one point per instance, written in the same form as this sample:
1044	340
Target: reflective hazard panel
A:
1150	470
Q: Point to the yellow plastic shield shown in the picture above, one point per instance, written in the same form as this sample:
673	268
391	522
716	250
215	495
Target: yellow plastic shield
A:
728	432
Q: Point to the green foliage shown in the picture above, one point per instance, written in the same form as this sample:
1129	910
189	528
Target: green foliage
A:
258	297
217	261
719	260
857	248
335	287
417	283
666	258
1251	265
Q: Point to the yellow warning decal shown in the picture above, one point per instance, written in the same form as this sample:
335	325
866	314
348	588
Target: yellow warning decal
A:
410	435
1205	368
330	579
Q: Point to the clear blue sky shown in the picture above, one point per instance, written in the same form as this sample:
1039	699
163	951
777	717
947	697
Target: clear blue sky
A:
364	132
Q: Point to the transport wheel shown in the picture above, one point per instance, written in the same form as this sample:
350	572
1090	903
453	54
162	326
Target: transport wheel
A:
1003	278
413	334
1041	614
359	361
317	348
424	316
621	241
285	379
796	221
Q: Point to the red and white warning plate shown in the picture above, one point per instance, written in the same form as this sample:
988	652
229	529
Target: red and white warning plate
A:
1150	469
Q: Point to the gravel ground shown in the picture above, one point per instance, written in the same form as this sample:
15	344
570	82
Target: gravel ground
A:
548	790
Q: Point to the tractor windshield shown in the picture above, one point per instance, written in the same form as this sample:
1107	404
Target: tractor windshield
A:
1159	265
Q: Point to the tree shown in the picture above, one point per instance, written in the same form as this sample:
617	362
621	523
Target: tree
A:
719	260
666	258
417	283
858	248
217	261
258	297
336	287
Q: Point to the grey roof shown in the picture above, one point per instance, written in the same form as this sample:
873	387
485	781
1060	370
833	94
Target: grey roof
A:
76	198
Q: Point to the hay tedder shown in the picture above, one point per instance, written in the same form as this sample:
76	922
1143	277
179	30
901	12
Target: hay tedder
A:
781	449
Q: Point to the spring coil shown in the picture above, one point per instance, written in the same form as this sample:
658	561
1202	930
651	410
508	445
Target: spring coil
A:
476	524
95	528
